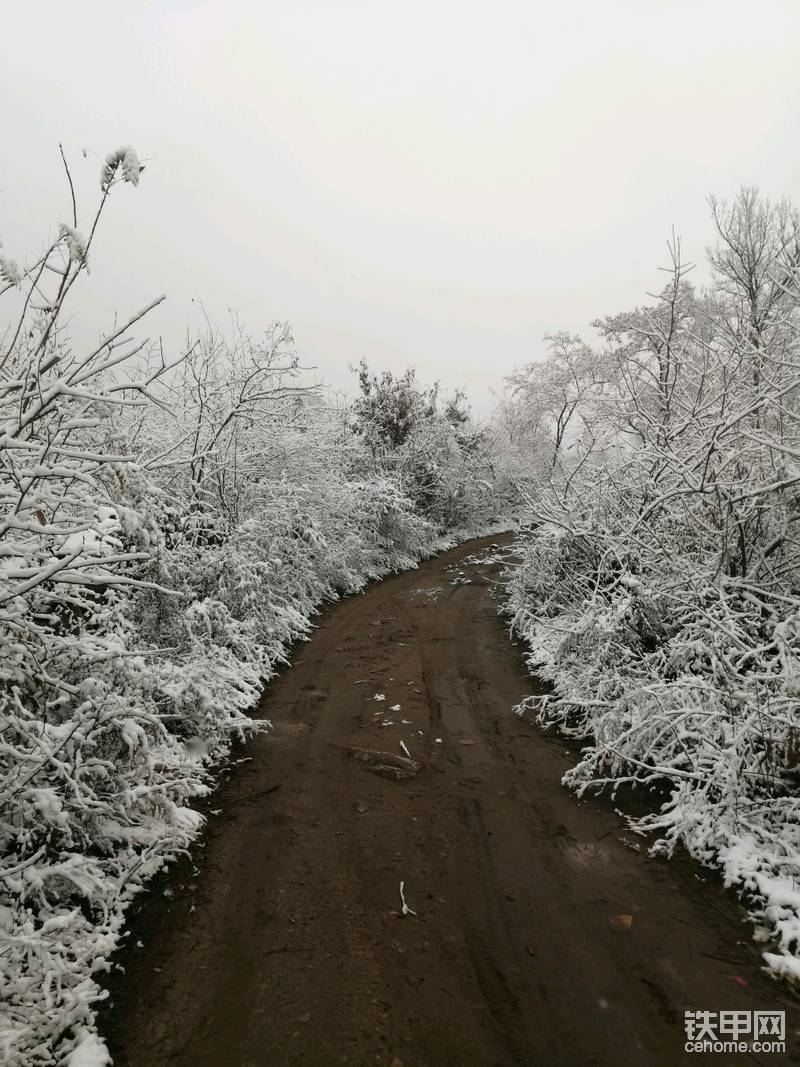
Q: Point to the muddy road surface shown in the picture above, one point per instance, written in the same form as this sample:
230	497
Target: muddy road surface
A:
540	934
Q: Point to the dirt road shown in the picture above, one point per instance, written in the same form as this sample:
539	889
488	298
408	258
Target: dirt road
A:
543	933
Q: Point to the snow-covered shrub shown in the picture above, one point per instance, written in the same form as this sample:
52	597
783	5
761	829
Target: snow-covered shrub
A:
660	593
89	791
442	461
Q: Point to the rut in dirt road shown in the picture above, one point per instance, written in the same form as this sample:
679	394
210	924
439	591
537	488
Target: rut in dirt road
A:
543	933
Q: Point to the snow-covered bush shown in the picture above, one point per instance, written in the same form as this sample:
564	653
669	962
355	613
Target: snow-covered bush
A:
660	592
443	462
81	796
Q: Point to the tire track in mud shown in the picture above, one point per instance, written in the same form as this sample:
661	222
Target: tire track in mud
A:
281	941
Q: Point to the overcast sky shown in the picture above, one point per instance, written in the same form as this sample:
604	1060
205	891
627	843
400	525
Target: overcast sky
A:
429	183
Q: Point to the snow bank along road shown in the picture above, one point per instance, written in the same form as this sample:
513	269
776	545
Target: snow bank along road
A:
543	933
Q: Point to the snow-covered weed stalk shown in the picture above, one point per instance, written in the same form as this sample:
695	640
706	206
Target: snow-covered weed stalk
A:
661	593
168	529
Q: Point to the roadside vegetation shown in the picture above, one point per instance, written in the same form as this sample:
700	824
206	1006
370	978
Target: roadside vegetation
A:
171	523
659	592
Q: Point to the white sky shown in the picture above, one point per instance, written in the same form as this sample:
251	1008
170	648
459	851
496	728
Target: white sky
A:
432	184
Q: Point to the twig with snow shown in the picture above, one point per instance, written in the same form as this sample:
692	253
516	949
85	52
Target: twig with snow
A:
405	910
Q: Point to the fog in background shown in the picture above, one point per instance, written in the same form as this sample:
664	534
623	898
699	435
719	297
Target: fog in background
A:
428	184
